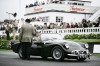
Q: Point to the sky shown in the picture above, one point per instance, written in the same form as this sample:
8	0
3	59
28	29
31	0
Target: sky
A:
12	6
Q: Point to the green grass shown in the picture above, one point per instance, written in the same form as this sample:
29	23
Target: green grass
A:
85	40
5	50
98	55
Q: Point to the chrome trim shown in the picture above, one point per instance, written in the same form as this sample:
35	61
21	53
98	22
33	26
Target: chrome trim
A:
80	54
72	55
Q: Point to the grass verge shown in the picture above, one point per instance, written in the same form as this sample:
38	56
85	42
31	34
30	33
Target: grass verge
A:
98	55
5	50
84	40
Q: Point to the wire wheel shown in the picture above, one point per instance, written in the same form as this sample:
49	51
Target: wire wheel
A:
20	52
57	53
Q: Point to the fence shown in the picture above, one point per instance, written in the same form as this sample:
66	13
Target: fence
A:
94	30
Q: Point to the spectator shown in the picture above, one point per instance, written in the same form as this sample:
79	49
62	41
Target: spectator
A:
76	25
7	31
15	28
0	26
39	4
64	25
43	3
48	2
45	26
51	1
80	25
68	26
51	26
41	27
35	27
61	26
89	23
84	21
85	25
96	24
99	20
36	3
72	25
56	1
26	6
56	26
31	5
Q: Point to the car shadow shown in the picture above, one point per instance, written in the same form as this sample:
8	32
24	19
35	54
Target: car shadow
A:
51	60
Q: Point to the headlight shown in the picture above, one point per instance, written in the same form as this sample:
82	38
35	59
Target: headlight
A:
86	46
67	46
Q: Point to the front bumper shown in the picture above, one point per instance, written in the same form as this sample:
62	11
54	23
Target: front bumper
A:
80	54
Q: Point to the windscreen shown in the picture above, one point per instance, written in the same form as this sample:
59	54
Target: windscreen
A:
46	37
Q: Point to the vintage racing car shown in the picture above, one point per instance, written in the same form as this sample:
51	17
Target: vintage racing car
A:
52	45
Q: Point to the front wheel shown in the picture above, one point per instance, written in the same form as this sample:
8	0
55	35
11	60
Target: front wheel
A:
57	53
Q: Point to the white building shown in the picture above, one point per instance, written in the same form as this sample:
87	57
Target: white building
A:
63	11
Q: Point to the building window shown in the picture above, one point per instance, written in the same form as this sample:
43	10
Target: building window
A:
81	4
59	19
33	19
74	3
69	3
45	19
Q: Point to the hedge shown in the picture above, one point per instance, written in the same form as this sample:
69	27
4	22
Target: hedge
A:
4	44
82	36
11	37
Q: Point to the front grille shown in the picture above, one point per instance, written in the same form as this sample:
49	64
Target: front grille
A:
76	52
82	52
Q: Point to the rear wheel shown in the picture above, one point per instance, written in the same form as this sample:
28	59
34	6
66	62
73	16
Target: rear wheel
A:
20	53
57	53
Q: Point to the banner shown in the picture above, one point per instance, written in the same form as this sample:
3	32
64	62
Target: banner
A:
62	7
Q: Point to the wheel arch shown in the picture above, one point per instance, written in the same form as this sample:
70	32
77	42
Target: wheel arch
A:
62	51
55	46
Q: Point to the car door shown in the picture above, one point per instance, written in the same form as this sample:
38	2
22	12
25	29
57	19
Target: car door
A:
37	48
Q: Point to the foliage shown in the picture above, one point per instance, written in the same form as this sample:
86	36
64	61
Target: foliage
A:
4	44
82	36
11	37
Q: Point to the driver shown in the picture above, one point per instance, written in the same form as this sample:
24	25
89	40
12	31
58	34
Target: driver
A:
37	37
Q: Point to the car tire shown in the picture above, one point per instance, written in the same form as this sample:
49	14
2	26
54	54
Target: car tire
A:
58	53
81	59
20	53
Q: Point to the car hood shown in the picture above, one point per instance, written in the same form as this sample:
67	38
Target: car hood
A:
70	43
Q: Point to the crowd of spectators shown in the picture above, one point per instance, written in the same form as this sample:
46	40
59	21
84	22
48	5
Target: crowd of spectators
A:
64	25
2	26
11	24
43	3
